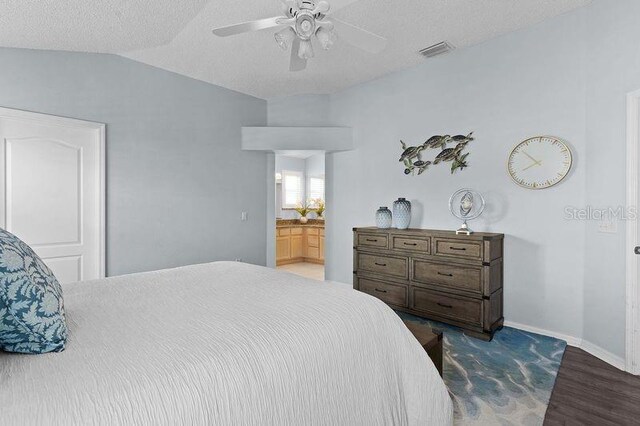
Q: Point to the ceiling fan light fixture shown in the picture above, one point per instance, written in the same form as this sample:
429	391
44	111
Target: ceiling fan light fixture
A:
326	38
284	38
306	50
322	8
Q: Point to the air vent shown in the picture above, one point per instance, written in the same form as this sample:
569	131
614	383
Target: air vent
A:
437	49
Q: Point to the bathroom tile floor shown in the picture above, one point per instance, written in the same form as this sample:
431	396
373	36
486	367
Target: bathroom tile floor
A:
308	270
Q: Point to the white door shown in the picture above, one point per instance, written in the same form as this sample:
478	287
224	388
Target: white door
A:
633	234
633	361
52	190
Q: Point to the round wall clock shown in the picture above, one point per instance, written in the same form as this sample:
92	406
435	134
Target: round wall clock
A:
539	162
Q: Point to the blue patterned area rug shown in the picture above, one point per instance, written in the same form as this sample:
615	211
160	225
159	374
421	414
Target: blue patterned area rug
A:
507	381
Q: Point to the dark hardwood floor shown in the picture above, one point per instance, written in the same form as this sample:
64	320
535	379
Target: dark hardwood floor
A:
589	391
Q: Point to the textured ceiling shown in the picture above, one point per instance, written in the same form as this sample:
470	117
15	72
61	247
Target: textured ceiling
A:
176	35
105	26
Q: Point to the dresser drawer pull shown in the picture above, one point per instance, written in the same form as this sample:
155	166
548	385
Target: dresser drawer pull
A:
445	275
380	291
445	306
410	244
372	240
380	264
457	248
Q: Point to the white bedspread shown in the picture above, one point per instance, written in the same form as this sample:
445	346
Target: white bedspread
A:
227	344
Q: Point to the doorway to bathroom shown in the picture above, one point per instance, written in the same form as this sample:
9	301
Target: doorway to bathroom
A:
299	211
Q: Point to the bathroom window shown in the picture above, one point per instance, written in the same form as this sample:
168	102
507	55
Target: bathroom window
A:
292	189
316	189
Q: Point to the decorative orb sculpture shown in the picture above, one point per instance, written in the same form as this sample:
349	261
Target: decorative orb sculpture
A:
466	205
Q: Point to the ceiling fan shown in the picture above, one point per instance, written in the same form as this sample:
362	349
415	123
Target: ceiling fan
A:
304	20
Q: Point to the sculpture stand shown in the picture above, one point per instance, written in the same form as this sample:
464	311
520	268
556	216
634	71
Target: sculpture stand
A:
464	230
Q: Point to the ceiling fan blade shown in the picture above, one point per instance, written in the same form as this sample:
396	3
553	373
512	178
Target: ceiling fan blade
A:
289	7
297	63
246	27
358	37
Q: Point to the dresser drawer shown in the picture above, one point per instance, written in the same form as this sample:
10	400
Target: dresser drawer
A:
451	276
296	231
312	231
457	308
393	266
422	245
393	294
373	240
457	248
283	232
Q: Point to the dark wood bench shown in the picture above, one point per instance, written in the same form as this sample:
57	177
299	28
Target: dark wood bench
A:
430	340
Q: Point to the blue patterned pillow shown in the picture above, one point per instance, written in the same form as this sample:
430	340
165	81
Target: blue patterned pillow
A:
31	308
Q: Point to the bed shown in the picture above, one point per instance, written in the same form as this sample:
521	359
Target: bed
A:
225	343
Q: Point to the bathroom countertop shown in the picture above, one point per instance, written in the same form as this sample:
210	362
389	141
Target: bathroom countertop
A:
289	223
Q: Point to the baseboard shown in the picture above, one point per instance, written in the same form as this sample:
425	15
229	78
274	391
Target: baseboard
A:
604	355
571	341
576	342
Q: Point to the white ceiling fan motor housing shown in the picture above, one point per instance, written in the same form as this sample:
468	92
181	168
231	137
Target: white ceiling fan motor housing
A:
305	24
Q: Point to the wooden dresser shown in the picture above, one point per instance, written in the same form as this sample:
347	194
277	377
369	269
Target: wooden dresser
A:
455	279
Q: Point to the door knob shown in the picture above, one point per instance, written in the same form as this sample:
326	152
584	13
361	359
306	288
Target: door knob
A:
636	250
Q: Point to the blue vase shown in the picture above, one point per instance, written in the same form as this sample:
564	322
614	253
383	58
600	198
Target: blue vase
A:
383	218
402	213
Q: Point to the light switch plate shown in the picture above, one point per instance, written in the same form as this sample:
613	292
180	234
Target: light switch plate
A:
244	216
608	226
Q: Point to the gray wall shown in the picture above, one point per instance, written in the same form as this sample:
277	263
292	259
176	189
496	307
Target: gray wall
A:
177	180
568	77
304	110
314	165
613	67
